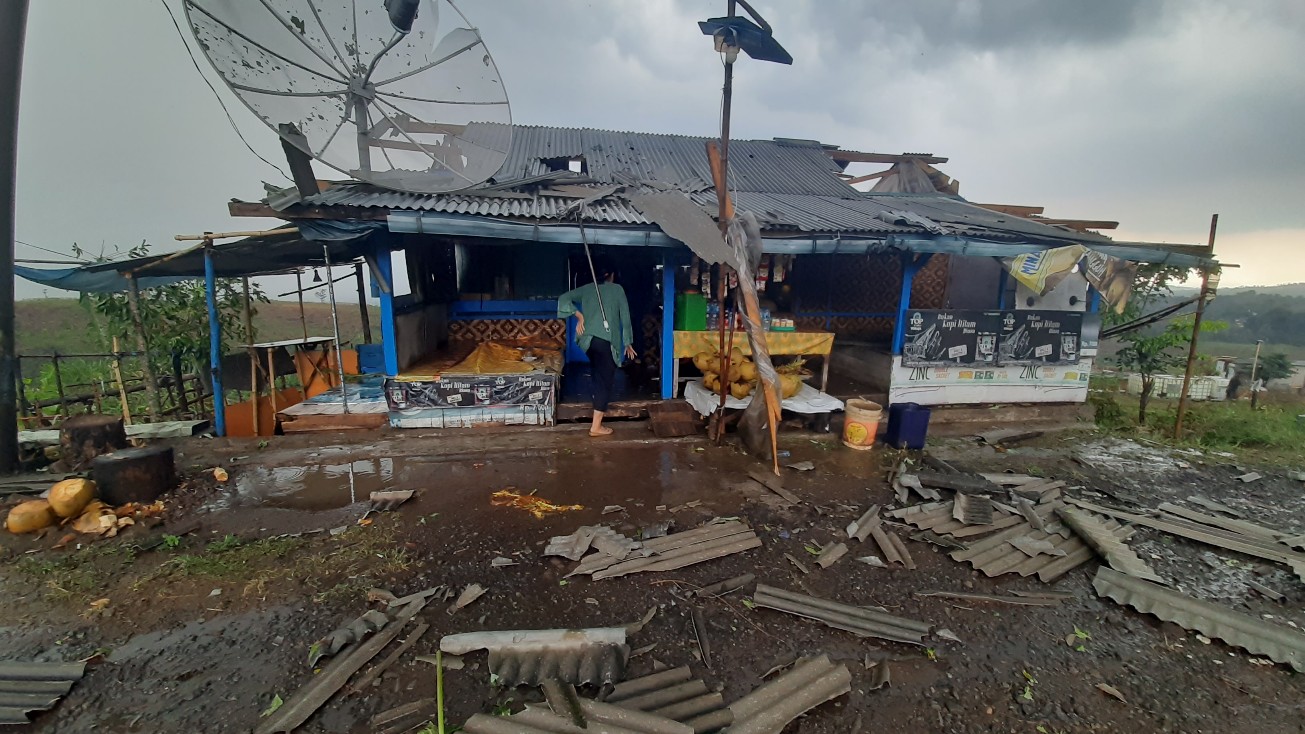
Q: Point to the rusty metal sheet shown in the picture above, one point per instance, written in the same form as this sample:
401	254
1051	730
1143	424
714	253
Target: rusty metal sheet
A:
1279	644
1097	534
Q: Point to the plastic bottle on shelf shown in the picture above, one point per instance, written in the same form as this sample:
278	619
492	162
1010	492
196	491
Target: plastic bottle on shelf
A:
713	316
765	319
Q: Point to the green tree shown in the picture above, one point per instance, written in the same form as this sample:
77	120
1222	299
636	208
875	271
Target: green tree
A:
1154	350
175	318
1274	366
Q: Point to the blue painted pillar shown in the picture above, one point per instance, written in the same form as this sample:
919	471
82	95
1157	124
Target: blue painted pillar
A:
214	343
668	326
389	343
1001	286
910	266
1094	300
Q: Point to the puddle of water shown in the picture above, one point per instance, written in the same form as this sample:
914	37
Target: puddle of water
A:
664	475
319	487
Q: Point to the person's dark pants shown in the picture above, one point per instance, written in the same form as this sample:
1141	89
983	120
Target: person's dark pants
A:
603	369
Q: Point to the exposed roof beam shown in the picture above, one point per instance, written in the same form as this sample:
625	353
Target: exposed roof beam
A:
1016	209
1082	225
868	177
852	156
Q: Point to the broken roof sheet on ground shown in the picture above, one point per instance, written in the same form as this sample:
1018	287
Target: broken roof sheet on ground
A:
27	687
677	550
1280	644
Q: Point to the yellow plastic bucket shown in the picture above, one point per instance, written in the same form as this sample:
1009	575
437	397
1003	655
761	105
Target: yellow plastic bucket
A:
861	423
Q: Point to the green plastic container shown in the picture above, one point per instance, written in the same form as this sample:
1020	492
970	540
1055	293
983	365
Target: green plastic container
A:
690	312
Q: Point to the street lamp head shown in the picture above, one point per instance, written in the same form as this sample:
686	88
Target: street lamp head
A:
733	34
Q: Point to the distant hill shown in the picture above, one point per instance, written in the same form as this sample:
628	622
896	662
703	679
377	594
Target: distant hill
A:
47	325
1285	289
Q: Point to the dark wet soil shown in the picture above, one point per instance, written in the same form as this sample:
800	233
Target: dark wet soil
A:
175	656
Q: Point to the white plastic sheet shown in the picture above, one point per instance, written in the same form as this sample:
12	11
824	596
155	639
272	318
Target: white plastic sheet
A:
808	400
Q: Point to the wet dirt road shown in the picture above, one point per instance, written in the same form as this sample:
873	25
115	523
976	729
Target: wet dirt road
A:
179	657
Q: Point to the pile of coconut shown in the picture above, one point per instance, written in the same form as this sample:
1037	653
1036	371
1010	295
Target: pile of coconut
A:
72	503
741	379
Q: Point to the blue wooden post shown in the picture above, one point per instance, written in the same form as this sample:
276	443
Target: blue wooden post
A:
910	266
389	343
214	342
668	327
1094	300
1001	286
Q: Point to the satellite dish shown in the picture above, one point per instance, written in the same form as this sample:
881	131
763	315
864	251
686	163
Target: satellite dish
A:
399	93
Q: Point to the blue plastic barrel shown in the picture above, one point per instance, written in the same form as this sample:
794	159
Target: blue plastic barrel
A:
371	359
908	425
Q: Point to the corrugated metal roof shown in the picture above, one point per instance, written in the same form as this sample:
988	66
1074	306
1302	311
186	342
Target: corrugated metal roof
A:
1279	644
1097	534
26	687
674	694
808	684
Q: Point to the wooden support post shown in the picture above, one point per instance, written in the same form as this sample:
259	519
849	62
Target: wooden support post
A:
179	383
299	291
1196	331
142	346
214	340
24	409
362	304
58	386
253	356
271	385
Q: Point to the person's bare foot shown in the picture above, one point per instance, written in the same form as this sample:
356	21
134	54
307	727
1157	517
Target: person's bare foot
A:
600	431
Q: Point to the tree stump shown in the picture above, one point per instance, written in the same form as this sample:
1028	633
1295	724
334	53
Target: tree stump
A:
84	437
134	475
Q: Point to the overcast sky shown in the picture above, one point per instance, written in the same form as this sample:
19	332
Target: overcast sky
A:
1155	114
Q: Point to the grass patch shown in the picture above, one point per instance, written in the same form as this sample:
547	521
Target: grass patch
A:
78	575
337	568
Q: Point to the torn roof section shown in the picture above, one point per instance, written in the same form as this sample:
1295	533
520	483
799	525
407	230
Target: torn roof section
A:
796	188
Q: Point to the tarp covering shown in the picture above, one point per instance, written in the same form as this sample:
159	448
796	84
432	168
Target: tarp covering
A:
347	241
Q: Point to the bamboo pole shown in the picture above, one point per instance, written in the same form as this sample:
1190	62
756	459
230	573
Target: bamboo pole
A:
271	386
253	357
142	345
335	327
122	387
209	236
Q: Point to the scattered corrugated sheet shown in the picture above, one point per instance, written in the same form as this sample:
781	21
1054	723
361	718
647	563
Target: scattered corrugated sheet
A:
676	550
830	554
1228	540
1030	600
972	509
938	517
1243	527
811	682
27	687
860	528
1279	644
957	482
1095	533
857	620
677	695
529	657
1213	506
575	545
995	555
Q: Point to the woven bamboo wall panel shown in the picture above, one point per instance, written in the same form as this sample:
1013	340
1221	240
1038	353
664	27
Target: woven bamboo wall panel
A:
929	289
552	331
850	327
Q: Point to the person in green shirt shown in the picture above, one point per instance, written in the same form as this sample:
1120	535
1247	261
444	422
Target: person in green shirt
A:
602	331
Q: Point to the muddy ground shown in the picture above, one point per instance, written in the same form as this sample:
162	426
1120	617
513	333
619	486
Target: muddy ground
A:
204	624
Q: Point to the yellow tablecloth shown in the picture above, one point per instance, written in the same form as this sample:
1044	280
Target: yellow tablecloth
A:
689	343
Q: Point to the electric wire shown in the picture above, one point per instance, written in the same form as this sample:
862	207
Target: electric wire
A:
181	34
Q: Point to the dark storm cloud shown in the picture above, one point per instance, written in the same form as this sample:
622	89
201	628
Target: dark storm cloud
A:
1154	112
